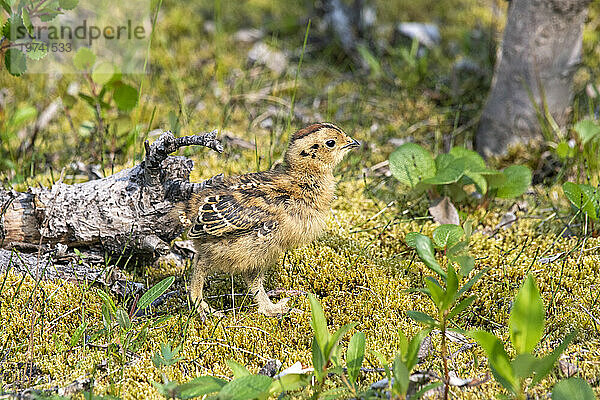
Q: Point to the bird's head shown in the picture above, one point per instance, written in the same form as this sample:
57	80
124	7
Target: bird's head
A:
318	148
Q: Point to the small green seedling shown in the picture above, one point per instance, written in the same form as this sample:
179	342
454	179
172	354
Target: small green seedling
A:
526	325
167	356
449	173
403	364
445	291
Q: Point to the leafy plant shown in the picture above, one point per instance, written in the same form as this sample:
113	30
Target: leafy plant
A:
18	44
573	388
109	97
449	173
403	363
584	198
167	356
588	137
119	327
526	325
445	291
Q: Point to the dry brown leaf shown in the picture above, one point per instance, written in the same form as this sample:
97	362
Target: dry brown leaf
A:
444	212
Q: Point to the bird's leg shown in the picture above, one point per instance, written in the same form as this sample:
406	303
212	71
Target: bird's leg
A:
196	286
265	306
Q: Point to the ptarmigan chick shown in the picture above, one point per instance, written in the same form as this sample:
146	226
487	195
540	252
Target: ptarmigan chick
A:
246	222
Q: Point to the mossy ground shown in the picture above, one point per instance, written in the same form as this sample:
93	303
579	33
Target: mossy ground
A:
360	277
360	269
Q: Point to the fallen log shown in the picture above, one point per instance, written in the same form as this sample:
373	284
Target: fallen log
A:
123	218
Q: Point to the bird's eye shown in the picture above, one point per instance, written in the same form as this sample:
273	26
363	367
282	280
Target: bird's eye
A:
330	143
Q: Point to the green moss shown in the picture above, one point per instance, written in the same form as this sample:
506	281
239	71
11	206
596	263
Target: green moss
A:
360	277
360	269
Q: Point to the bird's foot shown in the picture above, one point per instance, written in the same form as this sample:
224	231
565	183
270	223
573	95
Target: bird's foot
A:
279	308
204	309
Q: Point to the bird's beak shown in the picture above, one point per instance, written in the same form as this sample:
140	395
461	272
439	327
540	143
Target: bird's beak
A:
352	144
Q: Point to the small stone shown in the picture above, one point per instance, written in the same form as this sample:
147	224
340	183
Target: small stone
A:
400	141
567	368
271	368
506	221
248	35
273	59
426	34
210	27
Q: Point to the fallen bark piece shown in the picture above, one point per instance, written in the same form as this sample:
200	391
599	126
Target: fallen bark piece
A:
123	218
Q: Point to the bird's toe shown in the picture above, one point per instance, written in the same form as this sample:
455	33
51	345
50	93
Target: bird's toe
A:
279	308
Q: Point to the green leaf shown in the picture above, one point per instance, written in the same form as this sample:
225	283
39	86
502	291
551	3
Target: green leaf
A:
335	338
26	20
457	249
126	97
289	382
573	388
198	387
22	116
451	287
246	388
443	161
518	179
401	376
238	369
412	353
460	307
435	291
563	150
411	163
123	319
587	130
422	318
545	364
69	101
15	62
103	73
425	251
582	196
410	239
78	333
110	304
6	7
448	170
355	355
155	292
447	235
84	59
317	359
467	263
49	13
383	362
497	358
473	160
526	321
38	50
318	323
524	365
471	282
68	4
478	180
468	228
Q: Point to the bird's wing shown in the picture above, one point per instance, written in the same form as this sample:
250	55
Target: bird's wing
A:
229	214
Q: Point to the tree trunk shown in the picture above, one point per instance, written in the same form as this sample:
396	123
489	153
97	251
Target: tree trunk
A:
541	50
126	216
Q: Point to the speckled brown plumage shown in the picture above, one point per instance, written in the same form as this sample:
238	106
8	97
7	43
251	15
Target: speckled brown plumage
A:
245	223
